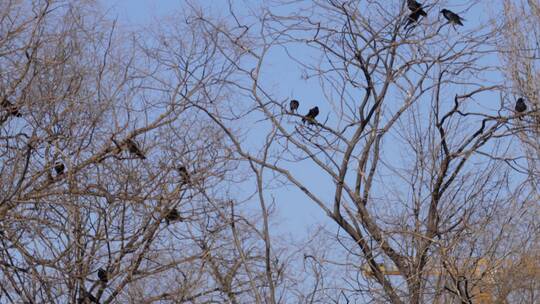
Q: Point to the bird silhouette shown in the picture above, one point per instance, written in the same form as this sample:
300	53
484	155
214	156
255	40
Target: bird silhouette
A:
310	116
452	17
412	19
133	148
294	104
59	168
172	216
10	108
102	275
184	174
520	105
416	7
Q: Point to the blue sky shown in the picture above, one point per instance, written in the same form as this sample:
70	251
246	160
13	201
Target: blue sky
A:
296	213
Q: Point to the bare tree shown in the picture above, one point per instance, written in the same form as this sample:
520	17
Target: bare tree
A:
520	54
411	144
115	185
146	167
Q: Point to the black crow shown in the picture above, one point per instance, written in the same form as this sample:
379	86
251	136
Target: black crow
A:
172	216
59	168
310	116
452	17
11	108
133	148
416	7
184	174
294	105
520	105
412	19
102	275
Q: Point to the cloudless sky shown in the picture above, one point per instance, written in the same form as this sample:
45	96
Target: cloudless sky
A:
296	213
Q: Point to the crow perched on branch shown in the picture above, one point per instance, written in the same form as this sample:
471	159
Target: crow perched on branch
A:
520	105
310	116
59	168
10	108
103	276
294	104
412	19
416	8
452	17
184	174
172	216
133	148
416	12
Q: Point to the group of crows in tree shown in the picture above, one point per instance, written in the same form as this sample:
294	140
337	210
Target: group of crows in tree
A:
103	275
8	109
171	215
309	117
294	104
417	10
